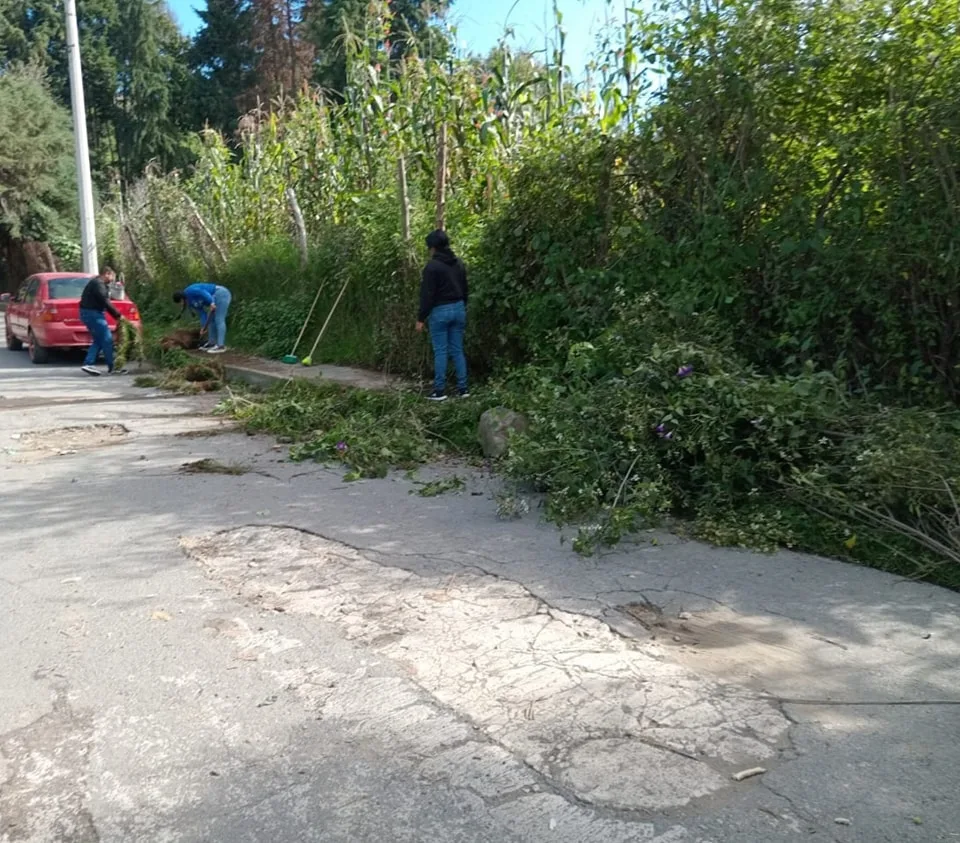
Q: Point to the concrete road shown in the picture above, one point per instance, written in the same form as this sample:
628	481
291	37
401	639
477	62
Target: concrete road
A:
277	655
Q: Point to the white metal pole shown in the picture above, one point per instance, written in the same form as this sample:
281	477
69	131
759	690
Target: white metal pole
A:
88	227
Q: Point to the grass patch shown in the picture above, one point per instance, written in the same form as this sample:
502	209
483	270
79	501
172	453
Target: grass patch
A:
368	433
184	376
435	488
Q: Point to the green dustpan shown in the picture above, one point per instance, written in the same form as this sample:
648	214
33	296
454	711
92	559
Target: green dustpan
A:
290	358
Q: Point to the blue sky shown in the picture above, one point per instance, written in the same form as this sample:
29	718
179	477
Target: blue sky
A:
480	23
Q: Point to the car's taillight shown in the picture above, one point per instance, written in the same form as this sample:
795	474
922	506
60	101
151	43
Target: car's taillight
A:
135	314
48	313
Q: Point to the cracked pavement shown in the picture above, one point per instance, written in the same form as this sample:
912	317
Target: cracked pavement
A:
282	656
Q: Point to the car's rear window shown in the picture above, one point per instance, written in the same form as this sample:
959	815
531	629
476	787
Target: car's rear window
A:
66	288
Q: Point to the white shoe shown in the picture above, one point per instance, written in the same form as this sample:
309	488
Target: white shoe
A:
216	349
91	370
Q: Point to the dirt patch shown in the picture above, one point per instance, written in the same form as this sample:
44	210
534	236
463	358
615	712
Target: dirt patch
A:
64	441
751	649
210	466
208	432
43	793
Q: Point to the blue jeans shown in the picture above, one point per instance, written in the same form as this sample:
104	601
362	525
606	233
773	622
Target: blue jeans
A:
217	323
96	322
447	324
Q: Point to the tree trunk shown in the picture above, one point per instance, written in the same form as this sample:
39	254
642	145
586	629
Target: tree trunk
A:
25	258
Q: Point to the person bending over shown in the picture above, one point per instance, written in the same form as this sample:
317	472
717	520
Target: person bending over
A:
211	303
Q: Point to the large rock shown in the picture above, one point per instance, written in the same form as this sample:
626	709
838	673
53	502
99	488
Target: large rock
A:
495	427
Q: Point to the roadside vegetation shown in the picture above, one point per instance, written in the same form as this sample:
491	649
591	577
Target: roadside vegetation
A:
720	278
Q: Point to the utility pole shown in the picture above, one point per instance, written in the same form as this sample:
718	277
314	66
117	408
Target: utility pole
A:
88	226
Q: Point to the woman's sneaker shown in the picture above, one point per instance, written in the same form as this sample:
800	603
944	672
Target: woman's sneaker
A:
91	370
463	393
216	349
436	396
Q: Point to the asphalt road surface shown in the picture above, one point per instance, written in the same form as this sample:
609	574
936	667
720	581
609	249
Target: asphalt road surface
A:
277	655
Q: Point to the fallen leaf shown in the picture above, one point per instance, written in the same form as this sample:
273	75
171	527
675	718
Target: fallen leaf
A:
850	543
160	615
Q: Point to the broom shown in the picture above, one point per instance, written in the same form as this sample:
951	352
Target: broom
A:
292	356
308	360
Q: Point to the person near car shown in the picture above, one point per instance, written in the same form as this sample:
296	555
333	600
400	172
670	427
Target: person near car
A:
211	303
443	309
94	307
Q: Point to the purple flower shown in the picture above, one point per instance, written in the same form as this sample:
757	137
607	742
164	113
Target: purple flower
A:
684	371
662	432
341	446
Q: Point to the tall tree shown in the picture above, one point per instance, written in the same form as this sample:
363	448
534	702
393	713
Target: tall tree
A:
284	54
33	31
151	60
222	60
37	188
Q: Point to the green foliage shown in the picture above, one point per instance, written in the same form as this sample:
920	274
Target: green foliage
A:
37	192
776	221
435	488
369	433
134	73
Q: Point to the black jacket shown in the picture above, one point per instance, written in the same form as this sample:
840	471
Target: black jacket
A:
444	282
94	297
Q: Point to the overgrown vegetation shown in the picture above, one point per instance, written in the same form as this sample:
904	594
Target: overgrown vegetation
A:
721	282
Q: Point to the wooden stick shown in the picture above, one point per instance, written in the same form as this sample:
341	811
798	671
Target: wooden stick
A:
201	223
301	227
404	199
442	177
329	317
137	252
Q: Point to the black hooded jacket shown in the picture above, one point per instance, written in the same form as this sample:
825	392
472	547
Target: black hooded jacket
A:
444	282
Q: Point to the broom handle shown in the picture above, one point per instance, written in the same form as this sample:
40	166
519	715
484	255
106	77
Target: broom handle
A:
329	317
313	307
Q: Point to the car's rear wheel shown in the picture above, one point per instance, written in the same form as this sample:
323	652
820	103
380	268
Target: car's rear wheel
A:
12	342
38	353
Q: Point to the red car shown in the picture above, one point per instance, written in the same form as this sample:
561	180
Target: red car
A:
45	315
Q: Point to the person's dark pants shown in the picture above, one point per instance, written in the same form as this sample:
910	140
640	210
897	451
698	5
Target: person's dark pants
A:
447	323
96	322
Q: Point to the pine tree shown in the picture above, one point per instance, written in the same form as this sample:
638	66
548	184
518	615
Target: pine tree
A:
222	60
151	64
284	54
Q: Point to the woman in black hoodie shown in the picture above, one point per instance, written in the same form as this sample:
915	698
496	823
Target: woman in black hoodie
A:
443	307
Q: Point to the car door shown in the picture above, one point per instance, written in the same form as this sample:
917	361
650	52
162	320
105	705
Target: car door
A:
29	305
18	309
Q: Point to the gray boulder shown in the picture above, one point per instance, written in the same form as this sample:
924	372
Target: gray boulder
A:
495	427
